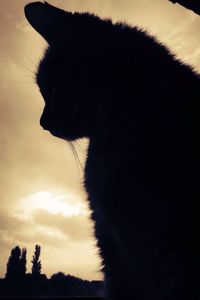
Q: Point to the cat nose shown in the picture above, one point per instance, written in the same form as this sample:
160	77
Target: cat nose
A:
45	120
42	122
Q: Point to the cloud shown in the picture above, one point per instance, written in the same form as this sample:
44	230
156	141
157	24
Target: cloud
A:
76	228
11	223
16	231
50	239
61	239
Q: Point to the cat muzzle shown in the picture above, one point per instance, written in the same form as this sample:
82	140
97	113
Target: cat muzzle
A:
47	123
46	120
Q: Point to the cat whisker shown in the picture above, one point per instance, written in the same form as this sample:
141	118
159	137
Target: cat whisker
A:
19	65
80	149
76	154
16	49
72	148
22	82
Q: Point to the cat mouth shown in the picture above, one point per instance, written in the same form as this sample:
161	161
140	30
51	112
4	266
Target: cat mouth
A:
47	123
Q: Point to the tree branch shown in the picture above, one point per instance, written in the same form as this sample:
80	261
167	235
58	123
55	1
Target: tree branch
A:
193	5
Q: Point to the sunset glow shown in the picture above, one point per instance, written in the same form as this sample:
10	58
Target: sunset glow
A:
53	204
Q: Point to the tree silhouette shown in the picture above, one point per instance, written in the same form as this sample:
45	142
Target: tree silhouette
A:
18	284
36	263
23	261
58	276
16	266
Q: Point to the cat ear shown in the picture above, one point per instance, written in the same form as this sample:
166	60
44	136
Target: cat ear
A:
46	19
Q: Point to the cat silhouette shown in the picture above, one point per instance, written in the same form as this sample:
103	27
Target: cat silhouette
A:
138	105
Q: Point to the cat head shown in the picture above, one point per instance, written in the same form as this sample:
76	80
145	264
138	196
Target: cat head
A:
73	74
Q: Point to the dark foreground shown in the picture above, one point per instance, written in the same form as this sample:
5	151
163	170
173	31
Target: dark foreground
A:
56	298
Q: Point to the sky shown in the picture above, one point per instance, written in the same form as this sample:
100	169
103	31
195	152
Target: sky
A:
42	199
